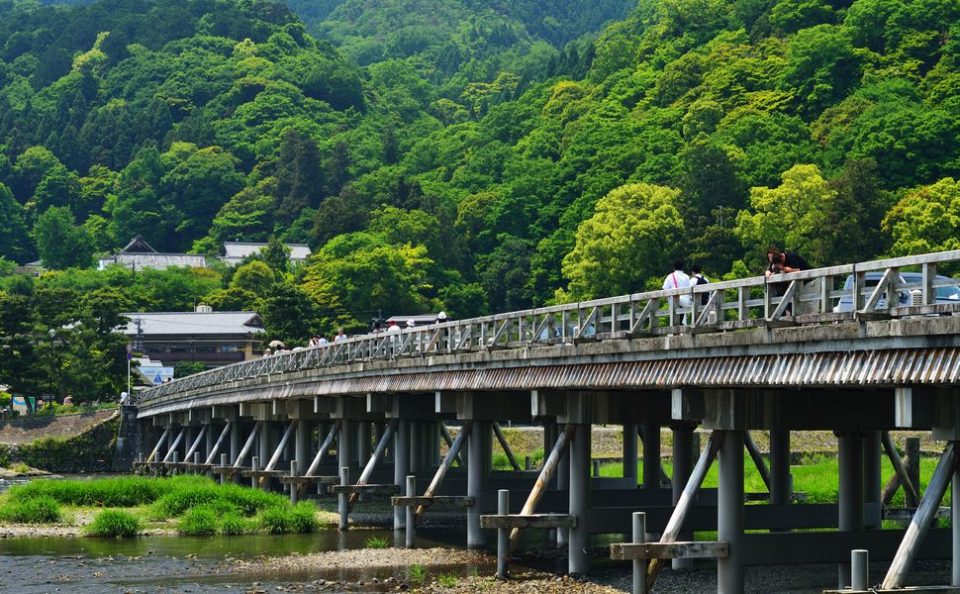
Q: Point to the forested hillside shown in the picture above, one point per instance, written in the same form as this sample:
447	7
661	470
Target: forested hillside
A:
471	156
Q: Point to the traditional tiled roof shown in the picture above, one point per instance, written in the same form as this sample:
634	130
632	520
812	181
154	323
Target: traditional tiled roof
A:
195	323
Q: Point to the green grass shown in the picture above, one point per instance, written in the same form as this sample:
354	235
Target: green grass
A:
447	581
109	492
232	524
377	542
817	477
199	506
39	510
114	523
299	519
417	573
198	521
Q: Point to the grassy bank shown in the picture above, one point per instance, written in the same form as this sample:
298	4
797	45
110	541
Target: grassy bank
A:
817	478
125	506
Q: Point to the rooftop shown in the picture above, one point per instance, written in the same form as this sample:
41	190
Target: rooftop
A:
194	323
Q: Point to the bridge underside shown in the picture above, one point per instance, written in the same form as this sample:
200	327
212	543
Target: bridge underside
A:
369	429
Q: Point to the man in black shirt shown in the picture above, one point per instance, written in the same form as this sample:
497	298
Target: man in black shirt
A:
784	261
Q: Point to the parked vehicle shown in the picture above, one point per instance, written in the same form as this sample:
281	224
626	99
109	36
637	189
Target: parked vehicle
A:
949	293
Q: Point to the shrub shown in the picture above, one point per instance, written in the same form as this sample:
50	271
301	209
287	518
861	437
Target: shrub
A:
417	573
198	521
39	510
114	523
234	524
377	542
298	519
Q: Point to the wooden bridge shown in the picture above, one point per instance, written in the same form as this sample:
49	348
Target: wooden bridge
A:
854	349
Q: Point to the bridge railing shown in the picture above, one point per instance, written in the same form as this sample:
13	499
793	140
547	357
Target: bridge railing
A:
851	291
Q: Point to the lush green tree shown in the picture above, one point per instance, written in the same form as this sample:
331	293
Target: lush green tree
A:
633	233
289	314
256	277
14	241
926	219
61	243
791	216
355	276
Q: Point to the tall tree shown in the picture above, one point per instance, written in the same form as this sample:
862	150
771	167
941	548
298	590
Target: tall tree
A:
61	243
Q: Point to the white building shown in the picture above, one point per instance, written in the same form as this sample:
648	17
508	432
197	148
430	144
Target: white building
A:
138	254
235	251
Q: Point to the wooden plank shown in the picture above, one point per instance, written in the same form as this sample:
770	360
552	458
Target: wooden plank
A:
528	521
381	489
434	501
306	480
262	473
669	550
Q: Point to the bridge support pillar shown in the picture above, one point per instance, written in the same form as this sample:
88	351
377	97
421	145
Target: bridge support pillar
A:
850	497
363	443
682	467
401	462
579	536
344	442
478	459
563	479
730	513
651	456
265	446
629	451
234	441
872	481
781	482
301	449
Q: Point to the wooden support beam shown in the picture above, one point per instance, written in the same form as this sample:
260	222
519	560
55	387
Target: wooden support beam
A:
324	448
910	490
245	451
374	460
449	501
160	442
675	525
280	446
506	446
196	443
549	467
516	521
212	454
372	489
669	550
173	446
920	523
452	454
306	480
757	459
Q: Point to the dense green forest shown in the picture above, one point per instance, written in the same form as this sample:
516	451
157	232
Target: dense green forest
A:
465	155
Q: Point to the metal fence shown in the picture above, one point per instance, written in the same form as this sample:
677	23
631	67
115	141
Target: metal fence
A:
862	291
